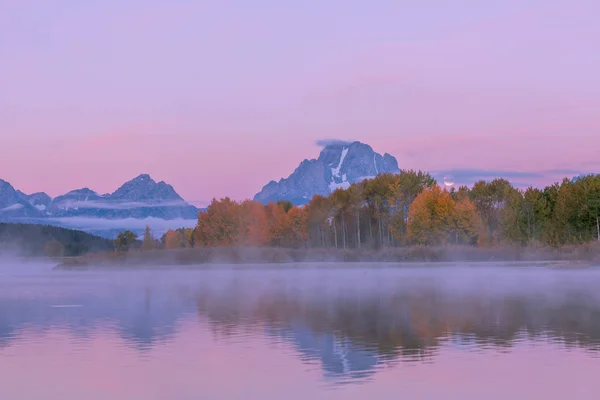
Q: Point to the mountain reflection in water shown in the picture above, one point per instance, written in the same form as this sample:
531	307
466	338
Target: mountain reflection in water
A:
352	323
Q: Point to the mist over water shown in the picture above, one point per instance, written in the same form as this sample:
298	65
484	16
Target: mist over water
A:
466	332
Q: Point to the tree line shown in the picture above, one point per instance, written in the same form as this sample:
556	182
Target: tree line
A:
52	241
404	209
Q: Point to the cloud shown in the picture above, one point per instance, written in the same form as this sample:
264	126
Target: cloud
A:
106	227
12	207
467	176
93	204
331	142
472	173
199	203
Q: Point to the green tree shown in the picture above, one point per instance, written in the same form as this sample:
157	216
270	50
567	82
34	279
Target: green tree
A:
125	240
490	199
286	204
403	190
148	243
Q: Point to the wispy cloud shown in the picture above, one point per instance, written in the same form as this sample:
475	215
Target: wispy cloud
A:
96	224
330	142
199	203
105	205
12	207
467	176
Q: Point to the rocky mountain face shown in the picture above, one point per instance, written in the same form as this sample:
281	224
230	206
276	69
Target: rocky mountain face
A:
338	166
12	205
139	198
39	200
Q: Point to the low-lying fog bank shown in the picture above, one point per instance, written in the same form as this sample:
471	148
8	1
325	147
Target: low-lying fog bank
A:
576	256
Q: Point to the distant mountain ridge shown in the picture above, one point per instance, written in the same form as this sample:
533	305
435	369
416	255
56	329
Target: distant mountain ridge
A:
339	165
139	198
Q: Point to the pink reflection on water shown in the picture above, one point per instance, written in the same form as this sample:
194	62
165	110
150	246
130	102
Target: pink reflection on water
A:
197	364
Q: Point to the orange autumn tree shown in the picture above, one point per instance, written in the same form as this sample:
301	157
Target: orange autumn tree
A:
172	239
434	218
278	222
297	232
253	225
250	223
219	225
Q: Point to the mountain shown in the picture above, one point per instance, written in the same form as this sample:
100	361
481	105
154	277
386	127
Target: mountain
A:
139	198
39	200
128	207
338	166
12	205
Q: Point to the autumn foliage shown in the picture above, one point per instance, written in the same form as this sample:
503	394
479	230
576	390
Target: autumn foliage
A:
250	223
435	218
404	209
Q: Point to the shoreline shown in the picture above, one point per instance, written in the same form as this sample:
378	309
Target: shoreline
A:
337	265
239	257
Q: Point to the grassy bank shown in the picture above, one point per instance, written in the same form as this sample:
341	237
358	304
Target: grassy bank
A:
588	254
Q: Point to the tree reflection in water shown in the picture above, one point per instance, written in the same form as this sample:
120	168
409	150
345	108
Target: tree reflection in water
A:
354	327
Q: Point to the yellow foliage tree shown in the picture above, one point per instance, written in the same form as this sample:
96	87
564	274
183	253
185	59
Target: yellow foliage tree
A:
278	221
436	219
297	233
467	227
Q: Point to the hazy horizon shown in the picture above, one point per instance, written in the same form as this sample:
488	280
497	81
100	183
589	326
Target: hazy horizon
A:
218	99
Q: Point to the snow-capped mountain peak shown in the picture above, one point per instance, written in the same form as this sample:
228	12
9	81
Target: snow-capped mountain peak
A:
338	166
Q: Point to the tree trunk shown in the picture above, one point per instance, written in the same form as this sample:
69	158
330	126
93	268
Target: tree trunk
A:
598	228
389	235
343	231
358	228
335	233
380	229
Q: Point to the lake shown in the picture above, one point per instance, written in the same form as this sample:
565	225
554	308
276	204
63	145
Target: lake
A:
281	333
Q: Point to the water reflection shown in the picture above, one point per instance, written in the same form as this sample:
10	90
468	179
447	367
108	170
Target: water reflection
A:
351	323
353	326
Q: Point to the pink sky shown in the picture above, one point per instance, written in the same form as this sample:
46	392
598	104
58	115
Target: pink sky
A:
218	98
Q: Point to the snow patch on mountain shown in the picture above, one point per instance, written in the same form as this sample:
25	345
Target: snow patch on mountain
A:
336	171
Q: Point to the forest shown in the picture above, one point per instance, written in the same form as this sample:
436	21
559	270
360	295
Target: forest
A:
52	241
399	210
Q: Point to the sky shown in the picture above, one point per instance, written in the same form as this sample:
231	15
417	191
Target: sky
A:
219	97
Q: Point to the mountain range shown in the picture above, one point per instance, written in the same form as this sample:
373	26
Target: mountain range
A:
141	198
143	201
339	165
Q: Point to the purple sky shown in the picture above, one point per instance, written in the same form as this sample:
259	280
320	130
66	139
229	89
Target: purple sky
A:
219	97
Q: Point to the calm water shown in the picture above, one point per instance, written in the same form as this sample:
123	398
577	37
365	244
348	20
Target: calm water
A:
429	333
